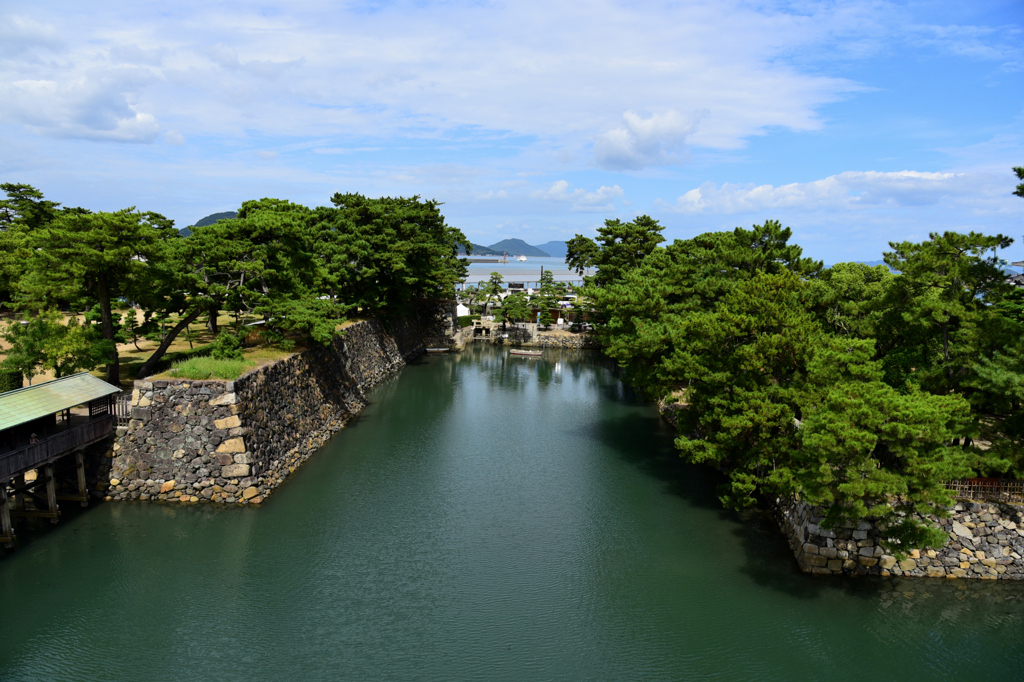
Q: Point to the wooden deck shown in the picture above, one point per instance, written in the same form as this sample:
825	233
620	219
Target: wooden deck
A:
41	456
54	447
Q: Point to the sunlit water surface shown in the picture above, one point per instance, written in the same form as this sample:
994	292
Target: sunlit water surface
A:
486	518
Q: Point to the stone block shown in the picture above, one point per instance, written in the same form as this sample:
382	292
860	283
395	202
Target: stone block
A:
244	458
835	565
860	534
866	543
867	561
810	548
142	414
887	561
828	552
849	564
232	445
235	470
867	551
223	399
962	530
167	486
936	572
814	560
250	493
908	565
228	422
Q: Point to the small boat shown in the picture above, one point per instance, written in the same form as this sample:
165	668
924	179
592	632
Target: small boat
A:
522	257
438	350
526	353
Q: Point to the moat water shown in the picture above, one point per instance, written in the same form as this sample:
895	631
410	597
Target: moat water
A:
485	518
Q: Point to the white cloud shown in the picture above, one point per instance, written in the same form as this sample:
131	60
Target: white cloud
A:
600	201
174	137
320	69
642	142
849	190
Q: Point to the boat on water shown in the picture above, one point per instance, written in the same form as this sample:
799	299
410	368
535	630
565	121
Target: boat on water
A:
438	350
526	353
522	257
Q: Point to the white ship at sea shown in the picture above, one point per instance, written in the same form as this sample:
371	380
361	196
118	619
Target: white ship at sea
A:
521	258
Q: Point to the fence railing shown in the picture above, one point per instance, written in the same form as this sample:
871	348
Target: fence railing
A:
988	489
123	407
49	449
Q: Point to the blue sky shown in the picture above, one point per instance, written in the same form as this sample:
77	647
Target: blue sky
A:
855	123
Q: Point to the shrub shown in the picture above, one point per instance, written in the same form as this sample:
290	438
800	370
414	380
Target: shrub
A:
10	380
211	368
226	347
467	320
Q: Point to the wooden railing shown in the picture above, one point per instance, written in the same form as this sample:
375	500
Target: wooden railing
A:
988	489
49	449
123	407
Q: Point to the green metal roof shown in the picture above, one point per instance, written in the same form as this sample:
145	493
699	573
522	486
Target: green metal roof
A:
32	402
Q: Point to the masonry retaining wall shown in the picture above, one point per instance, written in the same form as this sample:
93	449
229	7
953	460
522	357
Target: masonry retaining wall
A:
985	541
235	441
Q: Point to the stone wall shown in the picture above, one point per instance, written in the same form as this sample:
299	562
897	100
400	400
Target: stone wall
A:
529	336
567	341
985	541
235	441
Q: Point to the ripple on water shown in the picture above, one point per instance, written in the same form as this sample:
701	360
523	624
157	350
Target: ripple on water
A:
484	518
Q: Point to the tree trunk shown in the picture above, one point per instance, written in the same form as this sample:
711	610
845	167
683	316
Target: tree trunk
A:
107	327
212	323
151	362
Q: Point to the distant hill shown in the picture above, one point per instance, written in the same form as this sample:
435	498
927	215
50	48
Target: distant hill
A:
208	220
478	250
514	247
555	249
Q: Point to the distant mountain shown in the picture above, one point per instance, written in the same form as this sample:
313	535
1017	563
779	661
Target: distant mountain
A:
214	217
478	250
556	249
514	247
208	220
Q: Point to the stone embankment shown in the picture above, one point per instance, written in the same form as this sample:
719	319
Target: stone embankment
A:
985	541
234	442
564	341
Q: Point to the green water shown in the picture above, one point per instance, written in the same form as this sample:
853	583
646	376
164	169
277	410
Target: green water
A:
485	518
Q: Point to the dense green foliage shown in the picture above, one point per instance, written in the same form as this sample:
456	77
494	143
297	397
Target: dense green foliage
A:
300	270
45	342
10	380
860	389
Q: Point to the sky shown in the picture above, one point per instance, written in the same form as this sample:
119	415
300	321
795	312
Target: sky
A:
854	123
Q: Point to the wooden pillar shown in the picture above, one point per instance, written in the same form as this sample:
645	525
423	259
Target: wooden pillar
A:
80	465
6	531
51	491
19	498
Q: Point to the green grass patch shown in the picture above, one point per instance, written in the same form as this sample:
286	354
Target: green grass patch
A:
467	320
210	368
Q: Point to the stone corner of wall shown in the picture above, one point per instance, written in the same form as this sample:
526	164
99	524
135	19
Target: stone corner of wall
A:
985	541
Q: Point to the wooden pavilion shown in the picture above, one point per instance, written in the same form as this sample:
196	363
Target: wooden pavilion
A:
41	424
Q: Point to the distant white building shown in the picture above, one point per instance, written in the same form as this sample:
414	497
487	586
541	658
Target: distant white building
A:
461	310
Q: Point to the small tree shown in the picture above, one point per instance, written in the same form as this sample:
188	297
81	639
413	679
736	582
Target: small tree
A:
491	289
548	296
516	307
45	343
